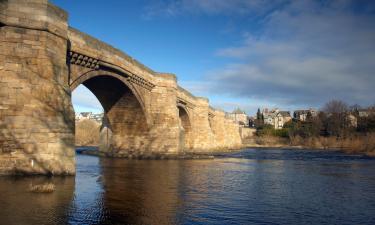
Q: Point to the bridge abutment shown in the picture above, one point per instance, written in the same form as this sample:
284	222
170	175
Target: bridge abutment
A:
36	115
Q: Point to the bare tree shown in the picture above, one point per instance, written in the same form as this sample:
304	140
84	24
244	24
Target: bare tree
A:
87	133
336	122
335	106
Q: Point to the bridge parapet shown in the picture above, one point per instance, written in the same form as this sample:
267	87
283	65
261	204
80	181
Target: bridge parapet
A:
37	14
105	54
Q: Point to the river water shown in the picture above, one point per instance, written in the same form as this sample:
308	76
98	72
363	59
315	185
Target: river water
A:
249	187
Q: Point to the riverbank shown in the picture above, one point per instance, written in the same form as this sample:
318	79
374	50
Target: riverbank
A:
146	156
351	145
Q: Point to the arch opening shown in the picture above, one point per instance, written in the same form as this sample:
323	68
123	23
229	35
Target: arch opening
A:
124	126
186	139
88	117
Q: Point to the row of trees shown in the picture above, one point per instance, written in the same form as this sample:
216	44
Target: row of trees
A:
335	119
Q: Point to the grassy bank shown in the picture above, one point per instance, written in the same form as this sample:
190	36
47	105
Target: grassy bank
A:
362	144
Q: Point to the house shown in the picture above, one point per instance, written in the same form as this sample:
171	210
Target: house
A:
83	116
90	116
302	115
269	116
365	112
275	117
251	121
239	116
281	118
97	117
352	120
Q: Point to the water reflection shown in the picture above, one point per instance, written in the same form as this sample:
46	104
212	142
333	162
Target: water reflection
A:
251	187
20	206
140	192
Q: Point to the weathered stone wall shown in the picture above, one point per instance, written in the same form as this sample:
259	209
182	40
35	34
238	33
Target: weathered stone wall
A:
36	115
165	129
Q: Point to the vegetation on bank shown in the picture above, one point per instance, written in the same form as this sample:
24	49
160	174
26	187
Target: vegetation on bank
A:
42	188
87	133
337	126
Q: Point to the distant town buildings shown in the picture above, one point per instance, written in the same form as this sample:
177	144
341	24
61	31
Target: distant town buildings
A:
365	112
350	118
277	118
89	116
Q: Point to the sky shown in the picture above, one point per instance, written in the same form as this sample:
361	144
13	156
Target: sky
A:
242	53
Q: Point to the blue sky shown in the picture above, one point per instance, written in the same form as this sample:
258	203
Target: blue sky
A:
242	53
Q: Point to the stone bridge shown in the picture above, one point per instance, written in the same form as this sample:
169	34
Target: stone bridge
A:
42	60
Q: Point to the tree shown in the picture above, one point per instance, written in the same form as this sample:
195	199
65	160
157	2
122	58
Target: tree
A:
335	107
309	116
367	123
336	122
259	120
259	115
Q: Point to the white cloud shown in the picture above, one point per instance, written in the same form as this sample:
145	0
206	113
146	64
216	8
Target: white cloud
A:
306	54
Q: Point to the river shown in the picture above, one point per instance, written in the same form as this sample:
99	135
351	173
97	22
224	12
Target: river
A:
249	187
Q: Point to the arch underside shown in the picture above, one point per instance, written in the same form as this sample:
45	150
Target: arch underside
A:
125	128
186	138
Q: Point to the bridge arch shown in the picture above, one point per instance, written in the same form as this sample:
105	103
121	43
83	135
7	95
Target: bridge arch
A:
186	134
80	79
125	115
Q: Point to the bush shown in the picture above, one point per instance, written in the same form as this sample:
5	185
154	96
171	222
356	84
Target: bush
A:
269	130
87	133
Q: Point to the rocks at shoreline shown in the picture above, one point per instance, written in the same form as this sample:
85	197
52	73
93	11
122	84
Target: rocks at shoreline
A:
148	156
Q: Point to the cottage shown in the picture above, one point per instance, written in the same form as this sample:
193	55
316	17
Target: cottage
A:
83	116
239	116
276	118
366	112
302	115
269	116
352	120
281	118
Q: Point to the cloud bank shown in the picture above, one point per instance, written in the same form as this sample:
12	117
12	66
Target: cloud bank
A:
307	53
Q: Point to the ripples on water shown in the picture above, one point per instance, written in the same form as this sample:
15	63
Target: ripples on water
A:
249	187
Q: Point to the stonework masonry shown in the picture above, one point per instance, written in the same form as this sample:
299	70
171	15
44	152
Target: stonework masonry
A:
42	61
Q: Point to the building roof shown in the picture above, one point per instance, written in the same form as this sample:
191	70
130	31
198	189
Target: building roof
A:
85	113
238	111
301	111
284	113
